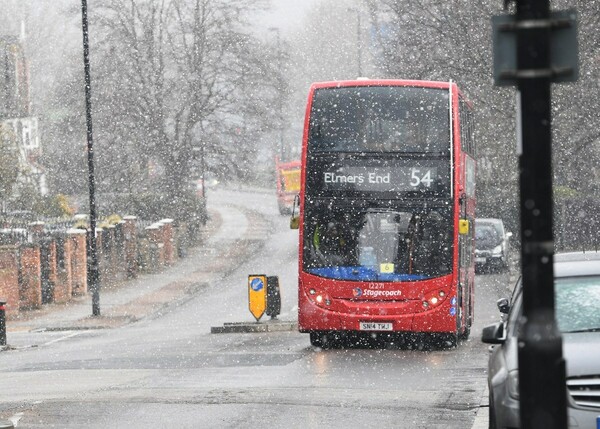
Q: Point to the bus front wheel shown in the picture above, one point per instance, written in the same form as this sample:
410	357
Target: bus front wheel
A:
318	339
327	339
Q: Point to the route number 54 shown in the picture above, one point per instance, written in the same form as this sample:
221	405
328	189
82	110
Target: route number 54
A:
416	178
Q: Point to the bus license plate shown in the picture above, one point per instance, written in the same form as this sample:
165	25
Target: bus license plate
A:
375	326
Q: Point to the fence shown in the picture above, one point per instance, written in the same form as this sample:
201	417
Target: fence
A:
47	262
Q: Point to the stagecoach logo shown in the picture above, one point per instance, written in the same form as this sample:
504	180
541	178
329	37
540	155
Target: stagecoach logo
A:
357	292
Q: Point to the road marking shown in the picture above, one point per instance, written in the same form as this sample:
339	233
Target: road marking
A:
15	419
61	338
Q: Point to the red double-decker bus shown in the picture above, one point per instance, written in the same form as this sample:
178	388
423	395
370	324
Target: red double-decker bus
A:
288	184
387	207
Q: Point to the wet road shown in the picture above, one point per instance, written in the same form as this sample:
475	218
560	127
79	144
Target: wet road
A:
170	371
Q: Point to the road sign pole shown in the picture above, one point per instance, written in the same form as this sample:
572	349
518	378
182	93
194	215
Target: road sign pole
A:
94	280
542	384
532	49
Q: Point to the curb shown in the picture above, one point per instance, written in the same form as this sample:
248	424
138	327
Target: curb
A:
483	412
249	327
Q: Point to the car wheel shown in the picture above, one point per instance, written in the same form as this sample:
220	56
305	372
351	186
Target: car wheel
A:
283	210
465	334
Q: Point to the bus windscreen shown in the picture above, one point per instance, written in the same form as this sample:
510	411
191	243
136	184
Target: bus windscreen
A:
380	119
345	241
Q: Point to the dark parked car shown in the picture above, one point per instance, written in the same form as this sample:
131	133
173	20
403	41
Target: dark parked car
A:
577	307
491	244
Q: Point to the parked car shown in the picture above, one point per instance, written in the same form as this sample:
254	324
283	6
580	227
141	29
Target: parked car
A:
491	244
577	312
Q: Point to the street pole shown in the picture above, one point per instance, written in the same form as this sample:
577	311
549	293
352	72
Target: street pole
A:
94	280
280	104
542	383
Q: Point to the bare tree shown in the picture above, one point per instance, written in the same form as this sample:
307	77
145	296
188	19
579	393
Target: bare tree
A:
174	76
429	39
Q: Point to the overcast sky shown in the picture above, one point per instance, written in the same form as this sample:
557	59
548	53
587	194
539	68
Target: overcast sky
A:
286	14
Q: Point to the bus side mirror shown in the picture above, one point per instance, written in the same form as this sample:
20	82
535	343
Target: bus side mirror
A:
463	226
295	219
295	222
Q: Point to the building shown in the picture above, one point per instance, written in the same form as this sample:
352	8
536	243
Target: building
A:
15	110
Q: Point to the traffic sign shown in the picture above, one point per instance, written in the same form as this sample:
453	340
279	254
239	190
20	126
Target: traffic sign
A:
564	50
257	295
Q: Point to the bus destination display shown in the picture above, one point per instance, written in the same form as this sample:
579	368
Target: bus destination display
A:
381	178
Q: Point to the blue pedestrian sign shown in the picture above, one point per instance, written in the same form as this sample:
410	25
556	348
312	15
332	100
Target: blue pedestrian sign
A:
257	295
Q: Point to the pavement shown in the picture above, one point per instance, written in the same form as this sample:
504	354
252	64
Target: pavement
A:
482	416
125	301
225	236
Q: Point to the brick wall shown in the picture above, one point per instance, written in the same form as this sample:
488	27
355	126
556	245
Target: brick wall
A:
77	238
55	268
30	277
9	279
156	251
64	283
168	241
131	246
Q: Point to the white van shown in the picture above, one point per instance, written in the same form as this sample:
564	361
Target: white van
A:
491	244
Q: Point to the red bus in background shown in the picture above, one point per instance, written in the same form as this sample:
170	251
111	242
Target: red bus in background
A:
387	208
288	184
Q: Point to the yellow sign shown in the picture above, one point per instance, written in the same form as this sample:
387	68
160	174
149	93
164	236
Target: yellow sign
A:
386	268
463	226
291	179
257	295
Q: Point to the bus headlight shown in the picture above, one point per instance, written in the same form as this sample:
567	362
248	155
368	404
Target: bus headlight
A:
433	299
321	298
497	250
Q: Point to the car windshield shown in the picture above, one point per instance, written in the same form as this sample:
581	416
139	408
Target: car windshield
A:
577	303
486	235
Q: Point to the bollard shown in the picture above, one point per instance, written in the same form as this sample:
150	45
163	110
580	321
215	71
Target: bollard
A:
273	297
2	323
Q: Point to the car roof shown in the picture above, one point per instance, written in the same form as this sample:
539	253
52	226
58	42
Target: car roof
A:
574	264
488	220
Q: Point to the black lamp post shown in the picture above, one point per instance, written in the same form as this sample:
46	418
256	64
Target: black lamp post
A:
94	280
